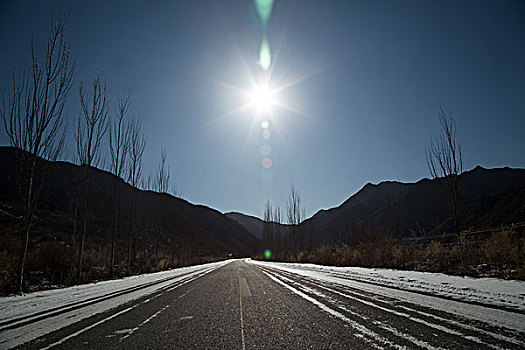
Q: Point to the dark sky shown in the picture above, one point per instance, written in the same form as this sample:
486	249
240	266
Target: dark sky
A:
363	81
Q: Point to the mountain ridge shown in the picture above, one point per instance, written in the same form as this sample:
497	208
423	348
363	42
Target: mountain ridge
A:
384	205
178	220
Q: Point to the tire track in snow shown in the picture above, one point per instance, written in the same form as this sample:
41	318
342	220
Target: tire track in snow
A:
368	335
384	327
365	299
360	297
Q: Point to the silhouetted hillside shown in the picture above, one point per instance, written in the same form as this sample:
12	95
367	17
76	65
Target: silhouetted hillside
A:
179	222
488	197
251	223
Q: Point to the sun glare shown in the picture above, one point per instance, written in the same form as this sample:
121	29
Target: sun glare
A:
262	98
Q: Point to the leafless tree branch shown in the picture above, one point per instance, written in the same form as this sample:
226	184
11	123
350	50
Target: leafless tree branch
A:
445	160
91	128
33	117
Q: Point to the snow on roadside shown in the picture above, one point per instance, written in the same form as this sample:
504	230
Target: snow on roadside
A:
28	305
508	294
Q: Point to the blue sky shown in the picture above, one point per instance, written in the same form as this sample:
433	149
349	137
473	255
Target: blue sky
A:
365	82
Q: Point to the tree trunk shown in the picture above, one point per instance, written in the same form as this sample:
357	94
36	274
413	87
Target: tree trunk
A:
130	235
75	225
144	247
28	219
81	250
113	240
157	249
22	260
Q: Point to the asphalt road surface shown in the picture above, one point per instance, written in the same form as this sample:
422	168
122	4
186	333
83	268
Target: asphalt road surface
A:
245	306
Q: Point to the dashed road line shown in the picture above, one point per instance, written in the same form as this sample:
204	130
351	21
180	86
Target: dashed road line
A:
120	313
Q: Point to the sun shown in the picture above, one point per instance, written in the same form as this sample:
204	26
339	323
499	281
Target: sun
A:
262	98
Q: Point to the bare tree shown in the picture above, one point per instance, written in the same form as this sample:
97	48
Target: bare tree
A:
119	143
162	173
146	183
278	237
161	183
444	159
73	202
91	127
136	151
267	233
176	192
33	119
294	214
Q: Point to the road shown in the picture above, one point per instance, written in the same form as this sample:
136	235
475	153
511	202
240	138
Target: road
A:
242	305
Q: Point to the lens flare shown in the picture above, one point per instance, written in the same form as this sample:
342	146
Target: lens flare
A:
265	124
265	57
265	150
266	134
267	163
264	9
267	253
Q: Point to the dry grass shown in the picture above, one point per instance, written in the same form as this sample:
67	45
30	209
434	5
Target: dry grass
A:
52	260
502	254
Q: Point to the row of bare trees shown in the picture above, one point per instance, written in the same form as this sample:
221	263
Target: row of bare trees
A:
126	148
126	144
286	240
34	121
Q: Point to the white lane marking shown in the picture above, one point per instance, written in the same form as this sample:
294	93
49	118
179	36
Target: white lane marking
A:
243	343
110	317
365	332
187	281
185	318
244	289
88	328
131	331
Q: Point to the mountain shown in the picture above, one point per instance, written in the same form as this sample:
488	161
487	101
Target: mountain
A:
488	197
177	223
251	223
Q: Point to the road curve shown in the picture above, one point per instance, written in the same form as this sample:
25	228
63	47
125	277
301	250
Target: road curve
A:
243	305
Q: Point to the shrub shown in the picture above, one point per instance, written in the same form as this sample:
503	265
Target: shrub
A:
502	250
